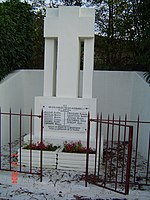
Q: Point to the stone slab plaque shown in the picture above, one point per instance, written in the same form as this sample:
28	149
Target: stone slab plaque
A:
65	118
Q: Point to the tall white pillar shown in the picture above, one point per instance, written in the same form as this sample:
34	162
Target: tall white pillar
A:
68	67
50	67
88	67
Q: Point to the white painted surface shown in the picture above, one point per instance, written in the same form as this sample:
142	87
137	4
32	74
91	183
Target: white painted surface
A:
64	28
49	158
88	68
33	86
117	92
63	135
11	96
75	161
57	160
114	92
68	25
141	106
18	91
50	67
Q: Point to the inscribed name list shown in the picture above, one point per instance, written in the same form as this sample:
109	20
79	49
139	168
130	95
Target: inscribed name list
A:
65	118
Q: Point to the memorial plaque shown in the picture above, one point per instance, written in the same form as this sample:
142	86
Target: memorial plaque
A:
65	118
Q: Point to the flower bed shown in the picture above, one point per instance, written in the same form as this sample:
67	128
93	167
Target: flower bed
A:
38	146
76	147
71	156
49	155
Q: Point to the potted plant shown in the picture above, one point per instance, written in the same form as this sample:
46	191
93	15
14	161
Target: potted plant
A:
73	156
31	153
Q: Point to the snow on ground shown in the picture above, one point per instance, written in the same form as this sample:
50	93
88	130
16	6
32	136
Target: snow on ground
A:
56	185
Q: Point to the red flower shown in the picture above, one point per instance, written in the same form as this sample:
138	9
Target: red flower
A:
76	147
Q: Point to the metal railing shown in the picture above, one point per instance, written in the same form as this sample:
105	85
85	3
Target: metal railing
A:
117	162
9	146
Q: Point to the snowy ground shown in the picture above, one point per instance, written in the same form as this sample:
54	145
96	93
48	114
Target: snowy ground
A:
58	185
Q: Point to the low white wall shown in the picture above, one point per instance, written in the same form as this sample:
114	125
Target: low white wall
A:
11	93
140	106
33	86
18	91
113	91
117	92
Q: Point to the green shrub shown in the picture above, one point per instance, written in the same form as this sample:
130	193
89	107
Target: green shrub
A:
16	35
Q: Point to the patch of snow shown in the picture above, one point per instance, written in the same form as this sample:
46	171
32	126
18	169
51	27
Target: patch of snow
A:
58	184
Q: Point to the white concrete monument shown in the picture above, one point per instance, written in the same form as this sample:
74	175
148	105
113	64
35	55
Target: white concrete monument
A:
65	114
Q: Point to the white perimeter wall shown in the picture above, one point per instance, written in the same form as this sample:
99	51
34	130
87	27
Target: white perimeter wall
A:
124	93
141	106
114	92
117	92
18	91
11	96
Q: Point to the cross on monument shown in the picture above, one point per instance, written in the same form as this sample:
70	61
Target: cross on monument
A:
65	27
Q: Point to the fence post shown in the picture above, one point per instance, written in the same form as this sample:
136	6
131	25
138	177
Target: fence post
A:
10	137
96	146
0	140
87	151
129	160
100	144
41	156
116	181
136	148
106	152
31	141
124	142
20	136
148	160
112	140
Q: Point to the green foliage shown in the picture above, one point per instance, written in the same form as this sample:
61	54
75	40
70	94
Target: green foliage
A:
117	18
16	36
121	23
114	54
38	41
123	26
72	2
56	3
144	56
